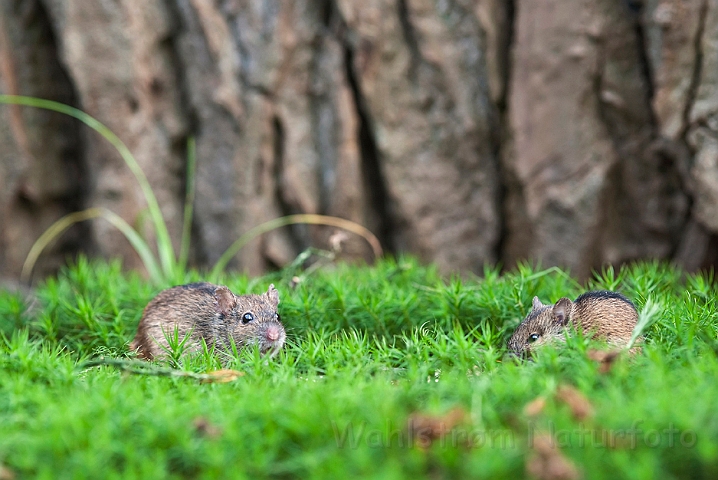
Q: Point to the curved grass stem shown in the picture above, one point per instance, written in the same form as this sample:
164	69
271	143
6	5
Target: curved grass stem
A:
306	218
59	227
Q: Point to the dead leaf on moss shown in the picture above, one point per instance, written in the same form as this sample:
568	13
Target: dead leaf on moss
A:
205	428
6	473
605	358
425	428
535	407
547	462
580	407
222	376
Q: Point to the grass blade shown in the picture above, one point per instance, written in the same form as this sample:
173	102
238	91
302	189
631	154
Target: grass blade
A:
188	204
60	226
648	315
137	242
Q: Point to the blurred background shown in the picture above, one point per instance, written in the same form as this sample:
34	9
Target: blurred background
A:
575	133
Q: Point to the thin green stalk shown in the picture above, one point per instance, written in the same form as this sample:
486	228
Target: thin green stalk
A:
164	244
141	367
648	315
188	204
306	218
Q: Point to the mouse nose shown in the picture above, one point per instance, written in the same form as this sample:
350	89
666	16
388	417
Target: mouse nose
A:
272	338
273	333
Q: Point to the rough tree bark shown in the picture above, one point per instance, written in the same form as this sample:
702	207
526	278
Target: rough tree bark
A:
467	132
589	179
684	56
42	175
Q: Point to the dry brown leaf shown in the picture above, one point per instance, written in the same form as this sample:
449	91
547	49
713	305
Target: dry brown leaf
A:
547	462
605	358
222	376
6	473
616	441
206	428
535	406
580	407
425	428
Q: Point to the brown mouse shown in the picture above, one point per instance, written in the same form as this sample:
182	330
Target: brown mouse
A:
601	314
212	313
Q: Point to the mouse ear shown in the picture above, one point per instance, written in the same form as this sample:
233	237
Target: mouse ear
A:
224	300
273	294
562	310
536	304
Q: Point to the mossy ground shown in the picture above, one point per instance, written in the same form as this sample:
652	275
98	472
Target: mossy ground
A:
368	347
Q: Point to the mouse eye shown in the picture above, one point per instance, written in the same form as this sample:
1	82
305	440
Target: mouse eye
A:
277	317
533	337
247	317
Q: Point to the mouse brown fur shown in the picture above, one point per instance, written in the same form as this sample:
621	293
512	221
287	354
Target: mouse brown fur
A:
600	314
212	313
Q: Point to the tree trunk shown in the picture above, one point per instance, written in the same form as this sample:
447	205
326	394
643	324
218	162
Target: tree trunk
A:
466	132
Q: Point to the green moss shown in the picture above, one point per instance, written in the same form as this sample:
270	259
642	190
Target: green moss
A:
367	347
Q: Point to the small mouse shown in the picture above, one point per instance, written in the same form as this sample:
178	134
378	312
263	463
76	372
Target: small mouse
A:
213	313
605	315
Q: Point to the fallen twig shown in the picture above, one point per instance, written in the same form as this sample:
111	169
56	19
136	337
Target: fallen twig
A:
140	367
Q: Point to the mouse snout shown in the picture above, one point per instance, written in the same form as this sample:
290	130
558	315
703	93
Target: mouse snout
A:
273	332
272	338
